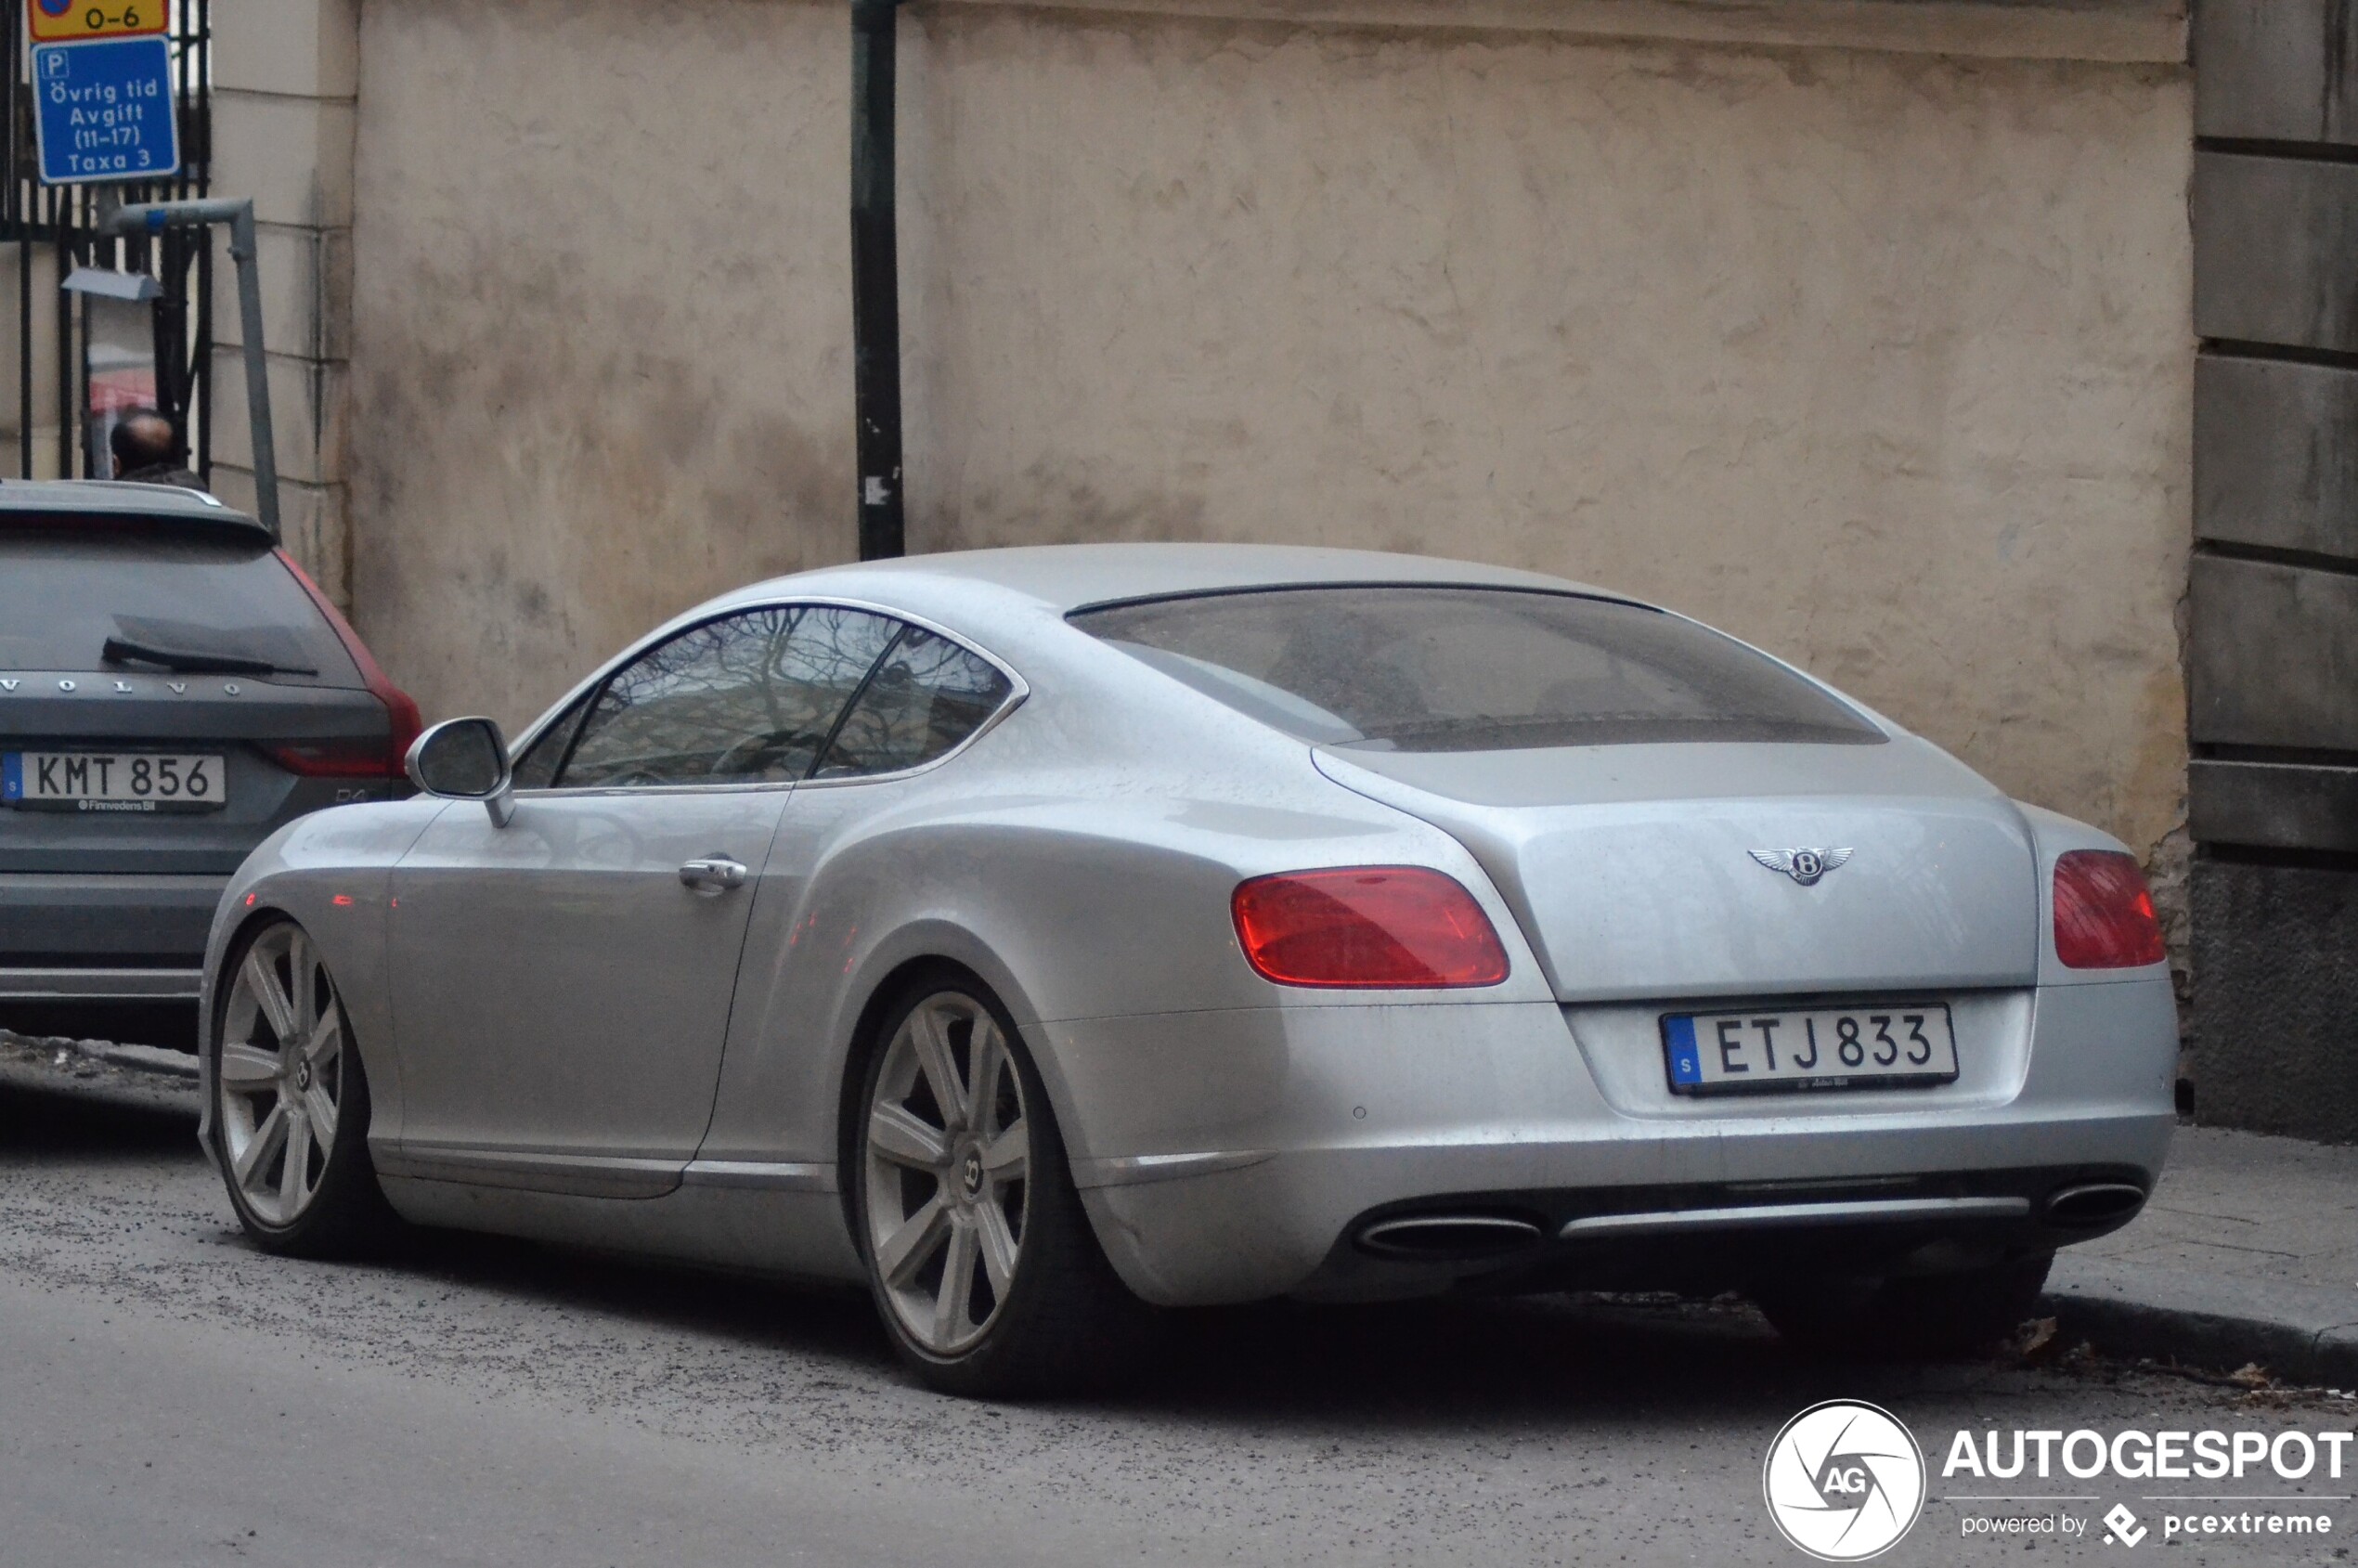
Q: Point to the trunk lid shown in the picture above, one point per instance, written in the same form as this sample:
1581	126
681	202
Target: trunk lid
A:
1632	869
119	635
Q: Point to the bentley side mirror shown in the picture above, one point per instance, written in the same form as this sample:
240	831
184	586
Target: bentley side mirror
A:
465	759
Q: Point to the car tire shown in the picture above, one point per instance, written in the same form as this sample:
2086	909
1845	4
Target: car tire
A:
1930	1316
982	1261
290	1101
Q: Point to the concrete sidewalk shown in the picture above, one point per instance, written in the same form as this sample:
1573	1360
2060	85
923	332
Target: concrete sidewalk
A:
2247	1253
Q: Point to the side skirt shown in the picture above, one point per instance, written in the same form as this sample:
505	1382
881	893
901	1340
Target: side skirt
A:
766	1229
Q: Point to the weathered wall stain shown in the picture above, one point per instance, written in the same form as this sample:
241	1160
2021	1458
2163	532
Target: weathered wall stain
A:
597	353
2332	90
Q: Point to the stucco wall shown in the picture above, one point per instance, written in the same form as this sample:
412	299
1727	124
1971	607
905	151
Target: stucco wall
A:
1879	358
602	348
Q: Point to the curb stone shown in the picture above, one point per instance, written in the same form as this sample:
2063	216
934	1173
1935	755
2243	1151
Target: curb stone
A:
2300	1333
152	1060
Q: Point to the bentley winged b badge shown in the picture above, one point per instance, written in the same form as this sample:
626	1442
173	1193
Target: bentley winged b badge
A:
1804	866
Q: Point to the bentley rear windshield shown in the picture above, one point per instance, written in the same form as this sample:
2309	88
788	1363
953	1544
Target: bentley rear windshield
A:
1448	668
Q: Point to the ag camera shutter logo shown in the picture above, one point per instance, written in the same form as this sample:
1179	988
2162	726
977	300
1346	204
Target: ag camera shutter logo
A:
1844	1481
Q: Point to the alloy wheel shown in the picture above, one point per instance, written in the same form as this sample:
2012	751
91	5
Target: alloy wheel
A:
948	1152
280	1075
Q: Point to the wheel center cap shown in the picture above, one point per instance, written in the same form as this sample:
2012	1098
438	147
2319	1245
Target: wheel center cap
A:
970	1172
303	1078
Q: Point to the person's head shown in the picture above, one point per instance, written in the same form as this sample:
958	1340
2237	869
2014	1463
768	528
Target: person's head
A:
142	438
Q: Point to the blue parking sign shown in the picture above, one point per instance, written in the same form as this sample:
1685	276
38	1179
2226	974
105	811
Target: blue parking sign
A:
107	110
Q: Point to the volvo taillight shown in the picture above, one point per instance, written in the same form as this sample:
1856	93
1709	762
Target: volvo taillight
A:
333	759
2103	912
1367	928
343	759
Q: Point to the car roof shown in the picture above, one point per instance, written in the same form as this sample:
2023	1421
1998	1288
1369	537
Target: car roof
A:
116	497
1069	576
984	594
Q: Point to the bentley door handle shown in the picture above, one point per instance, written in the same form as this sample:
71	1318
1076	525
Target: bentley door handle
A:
713	874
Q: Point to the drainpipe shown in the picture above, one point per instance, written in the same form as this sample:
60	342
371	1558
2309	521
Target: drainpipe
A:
875	282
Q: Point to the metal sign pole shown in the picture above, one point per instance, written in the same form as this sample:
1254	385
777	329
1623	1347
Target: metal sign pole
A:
154	218
875	282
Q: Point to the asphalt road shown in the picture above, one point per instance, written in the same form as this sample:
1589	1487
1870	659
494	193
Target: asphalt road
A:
170	1396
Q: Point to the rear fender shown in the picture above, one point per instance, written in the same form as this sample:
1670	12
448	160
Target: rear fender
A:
1059	924
905	953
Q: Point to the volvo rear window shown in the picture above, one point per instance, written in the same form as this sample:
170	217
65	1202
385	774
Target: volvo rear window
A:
1442	668
168	597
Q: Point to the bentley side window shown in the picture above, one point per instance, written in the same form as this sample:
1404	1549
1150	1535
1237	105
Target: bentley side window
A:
749	698
536	769
926	697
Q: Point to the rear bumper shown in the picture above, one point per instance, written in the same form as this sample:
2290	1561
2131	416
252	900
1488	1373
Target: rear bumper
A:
113	937
1298	1223
1708	1237
1235	1157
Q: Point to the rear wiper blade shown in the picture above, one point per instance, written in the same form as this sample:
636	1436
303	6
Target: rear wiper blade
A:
123	650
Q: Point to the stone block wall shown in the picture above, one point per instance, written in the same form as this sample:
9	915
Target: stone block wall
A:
2273	629
286	78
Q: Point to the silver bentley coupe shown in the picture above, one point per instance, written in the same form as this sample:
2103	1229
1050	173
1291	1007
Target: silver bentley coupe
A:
1047	936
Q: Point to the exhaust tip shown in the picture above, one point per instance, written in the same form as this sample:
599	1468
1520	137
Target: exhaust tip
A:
1449	1238
2094	1203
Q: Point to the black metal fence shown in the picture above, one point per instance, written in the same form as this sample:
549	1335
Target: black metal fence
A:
51	230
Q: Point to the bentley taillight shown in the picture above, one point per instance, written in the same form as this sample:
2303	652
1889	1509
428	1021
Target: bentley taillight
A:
2104	912
1367	928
